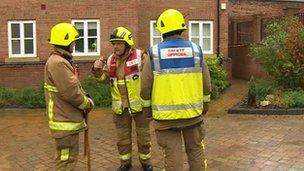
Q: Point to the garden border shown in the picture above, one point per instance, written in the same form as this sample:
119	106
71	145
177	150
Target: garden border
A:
267	111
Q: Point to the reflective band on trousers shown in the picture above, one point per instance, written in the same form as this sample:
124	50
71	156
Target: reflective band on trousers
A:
177	107
205	160
64	154
57	125
144	156
125	156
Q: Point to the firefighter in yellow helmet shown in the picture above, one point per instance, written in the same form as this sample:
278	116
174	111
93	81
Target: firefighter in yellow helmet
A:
122	70
178	83
66	101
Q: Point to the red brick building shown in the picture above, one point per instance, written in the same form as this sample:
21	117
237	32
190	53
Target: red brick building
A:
219	26
247	21
24	30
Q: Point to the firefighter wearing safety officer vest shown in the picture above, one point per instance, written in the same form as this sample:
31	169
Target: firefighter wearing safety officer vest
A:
178	83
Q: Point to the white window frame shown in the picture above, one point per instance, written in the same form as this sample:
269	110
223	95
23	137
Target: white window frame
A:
201	37
86	37
151	33
22	50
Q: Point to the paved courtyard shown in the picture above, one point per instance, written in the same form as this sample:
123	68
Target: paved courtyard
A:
233	142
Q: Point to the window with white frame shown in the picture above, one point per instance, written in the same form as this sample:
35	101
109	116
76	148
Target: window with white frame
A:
22	38
89	35
155	36
201	33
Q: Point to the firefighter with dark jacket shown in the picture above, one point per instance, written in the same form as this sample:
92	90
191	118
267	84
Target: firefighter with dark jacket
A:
122	70
178	83
66	101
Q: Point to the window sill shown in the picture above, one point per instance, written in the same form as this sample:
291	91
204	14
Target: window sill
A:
21	59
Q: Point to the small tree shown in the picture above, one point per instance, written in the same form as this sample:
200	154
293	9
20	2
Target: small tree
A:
281	54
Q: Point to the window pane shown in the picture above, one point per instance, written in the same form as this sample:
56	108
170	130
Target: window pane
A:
194	29
156	40
29	46
92	44
79	26
92	29
15	29
195	40
15	46
28	30
206	30
155	31
206	44
79	47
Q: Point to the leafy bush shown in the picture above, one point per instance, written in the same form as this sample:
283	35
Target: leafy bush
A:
294	98
218	77
28	97
278	96
264	88
100	93
34	97
281	54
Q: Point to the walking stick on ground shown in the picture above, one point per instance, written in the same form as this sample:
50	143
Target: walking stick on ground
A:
87	143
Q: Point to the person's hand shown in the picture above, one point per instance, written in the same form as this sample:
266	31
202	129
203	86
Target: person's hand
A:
99	63
206	108
147	111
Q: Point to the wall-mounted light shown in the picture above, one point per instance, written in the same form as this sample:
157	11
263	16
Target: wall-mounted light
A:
223	6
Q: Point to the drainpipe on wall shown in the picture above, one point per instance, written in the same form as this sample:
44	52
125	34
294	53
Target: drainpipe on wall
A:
218	28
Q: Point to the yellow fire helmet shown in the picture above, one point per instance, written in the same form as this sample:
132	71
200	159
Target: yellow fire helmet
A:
122	34
170	20
63	34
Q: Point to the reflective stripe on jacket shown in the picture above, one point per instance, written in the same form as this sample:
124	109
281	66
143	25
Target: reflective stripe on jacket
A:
132	81
59	125
178	80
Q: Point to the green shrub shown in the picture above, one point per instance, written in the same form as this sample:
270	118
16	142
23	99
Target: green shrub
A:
264	88
6	96
294	98
281	54
31	97
100	93
34	97
27	97
218	77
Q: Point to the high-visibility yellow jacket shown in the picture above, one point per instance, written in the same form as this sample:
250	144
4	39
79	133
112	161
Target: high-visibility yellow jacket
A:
126	88
177	90
65	99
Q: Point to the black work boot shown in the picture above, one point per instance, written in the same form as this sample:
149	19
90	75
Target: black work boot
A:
147	167
124	167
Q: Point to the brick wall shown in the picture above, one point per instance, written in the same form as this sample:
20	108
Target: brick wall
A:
134	14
